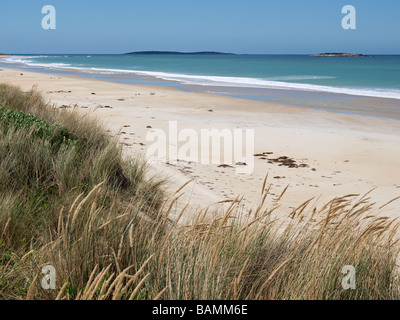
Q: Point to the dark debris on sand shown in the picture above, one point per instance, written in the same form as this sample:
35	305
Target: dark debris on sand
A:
281	161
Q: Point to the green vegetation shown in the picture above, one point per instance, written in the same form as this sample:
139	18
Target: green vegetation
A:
69	199
15	120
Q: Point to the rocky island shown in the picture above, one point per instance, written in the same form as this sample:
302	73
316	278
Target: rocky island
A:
339	55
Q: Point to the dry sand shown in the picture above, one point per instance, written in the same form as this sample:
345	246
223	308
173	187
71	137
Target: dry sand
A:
343	154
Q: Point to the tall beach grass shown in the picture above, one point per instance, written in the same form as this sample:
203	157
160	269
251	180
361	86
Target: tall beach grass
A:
69	199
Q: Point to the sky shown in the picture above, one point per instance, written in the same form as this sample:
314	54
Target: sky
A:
237	26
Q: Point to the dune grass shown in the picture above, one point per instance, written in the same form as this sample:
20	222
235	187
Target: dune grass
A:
69	199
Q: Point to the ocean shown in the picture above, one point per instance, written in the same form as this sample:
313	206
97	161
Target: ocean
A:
345	84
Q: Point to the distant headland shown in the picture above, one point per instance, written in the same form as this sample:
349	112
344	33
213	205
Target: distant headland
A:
339	55
180	53
4	55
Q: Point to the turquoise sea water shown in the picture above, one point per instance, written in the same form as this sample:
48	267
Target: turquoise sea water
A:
293	79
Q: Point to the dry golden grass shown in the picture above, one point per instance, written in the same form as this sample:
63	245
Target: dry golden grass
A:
106	228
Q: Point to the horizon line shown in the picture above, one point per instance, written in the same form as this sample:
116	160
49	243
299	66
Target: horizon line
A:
189	52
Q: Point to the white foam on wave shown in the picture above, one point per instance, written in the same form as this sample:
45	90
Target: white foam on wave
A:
270	84
27	61
220	81
301	77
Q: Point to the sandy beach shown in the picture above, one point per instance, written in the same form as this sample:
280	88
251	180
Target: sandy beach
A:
334	154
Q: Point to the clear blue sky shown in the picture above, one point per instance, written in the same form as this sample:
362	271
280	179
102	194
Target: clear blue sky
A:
239	26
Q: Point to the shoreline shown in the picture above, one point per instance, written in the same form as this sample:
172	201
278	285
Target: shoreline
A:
316	99
350	153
